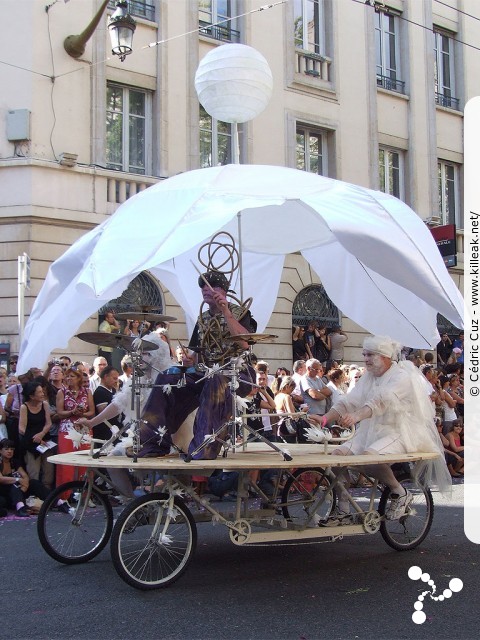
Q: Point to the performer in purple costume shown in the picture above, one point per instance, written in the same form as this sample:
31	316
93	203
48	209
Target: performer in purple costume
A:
168	405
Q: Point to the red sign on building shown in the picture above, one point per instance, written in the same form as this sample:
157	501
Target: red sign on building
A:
446	239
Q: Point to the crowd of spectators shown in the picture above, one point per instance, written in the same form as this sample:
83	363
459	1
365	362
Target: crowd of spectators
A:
38	407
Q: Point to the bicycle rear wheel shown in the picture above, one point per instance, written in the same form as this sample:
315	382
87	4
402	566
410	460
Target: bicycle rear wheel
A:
153	541
301	490
80	534
412	528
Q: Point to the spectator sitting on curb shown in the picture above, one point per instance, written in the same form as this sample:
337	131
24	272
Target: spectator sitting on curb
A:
16	486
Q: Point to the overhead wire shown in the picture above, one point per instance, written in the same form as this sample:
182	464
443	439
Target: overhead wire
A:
152	44
188	33
16	66
417	24
464	13
258	9
52	77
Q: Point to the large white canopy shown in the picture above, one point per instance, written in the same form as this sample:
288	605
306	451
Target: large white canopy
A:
375	257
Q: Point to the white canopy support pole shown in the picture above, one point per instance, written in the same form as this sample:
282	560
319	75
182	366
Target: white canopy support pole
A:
21	297
236	160
235	144
240	267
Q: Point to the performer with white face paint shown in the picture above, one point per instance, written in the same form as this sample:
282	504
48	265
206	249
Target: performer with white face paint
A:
393	414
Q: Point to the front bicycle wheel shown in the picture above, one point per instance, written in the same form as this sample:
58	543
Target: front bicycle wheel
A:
412	528
81	533
153	541
301	490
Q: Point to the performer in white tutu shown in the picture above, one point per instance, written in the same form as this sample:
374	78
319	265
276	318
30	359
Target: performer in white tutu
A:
393	414
154	362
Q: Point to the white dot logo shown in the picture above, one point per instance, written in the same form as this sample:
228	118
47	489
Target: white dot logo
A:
415	573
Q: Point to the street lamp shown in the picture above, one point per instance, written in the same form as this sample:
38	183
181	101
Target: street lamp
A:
121	26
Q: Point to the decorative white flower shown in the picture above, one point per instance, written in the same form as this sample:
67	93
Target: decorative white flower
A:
165	539
137	344
77	437
162	431
316	434
167	388
210	437
210	372
242	403
172	513
176	491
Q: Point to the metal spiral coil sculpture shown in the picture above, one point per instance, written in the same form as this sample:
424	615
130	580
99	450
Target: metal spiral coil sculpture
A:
222	256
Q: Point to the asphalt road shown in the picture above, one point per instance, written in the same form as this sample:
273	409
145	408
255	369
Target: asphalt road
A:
354	588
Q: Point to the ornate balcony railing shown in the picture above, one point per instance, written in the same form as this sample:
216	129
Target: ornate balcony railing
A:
447	101
137	8
221	32
392	84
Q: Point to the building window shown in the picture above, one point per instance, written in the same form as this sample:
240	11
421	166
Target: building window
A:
215	141
390	164
214	19
312	151
448	201
310	39
309	26
313	303
445	326
445	71
128	129
138	8
143	292
387	51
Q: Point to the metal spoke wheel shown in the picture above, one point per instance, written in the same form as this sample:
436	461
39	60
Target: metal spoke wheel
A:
412	528
153	541
301	490
241	533
80	534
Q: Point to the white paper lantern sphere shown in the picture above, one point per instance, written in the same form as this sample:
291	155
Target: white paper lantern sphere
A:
234	83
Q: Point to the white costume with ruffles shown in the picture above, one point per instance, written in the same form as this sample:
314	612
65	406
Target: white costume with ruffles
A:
402	420
156	361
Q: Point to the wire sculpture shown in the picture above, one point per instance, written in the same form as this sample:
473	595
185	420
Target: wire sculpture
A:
220	255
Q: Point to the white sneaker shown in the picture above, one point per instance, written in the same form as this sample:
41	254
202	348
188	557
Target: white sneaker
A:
398	505
313	520
338	518
76	498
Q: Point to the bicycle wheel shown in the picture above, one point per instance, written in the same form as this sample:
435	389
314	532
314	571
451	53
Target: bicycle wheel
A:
300	492
80	535
153	541
409	531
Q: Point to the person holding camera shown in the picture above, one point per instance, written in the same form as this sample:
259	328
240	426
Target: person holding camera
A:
15	484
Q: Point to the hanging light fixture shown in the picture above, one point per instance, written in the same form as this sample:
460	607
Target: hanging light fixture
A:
234	83
121	26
